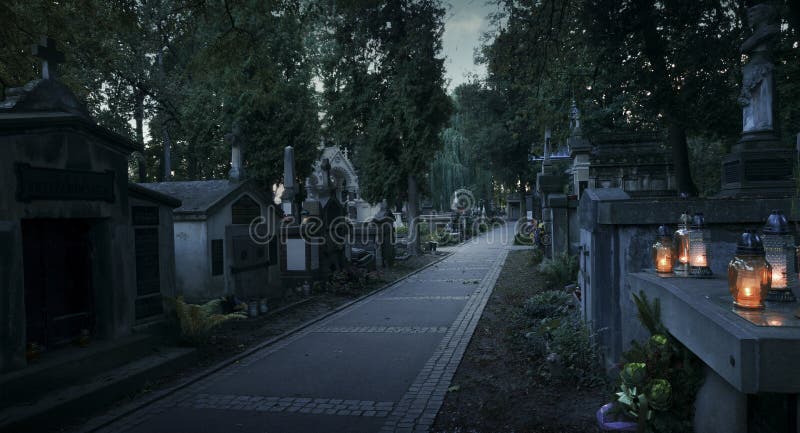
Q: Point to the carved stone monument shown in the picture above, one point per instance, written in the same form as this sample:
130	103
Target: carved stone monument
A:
759	164
290	188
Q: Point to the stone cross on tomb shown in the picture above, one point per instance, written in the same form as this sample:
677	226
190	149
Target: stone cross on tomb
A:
46	50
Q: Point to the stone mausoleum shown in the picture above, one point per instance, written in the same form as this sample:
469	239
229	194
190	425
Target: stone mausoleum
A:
215	251
82	252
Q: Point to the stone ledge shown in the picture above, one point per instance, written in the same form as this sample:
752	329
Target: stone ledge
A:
751	358
668	211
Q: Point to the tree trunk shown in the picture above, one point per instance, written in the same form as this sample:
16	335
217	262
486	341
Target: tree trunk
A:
680	158
413	214
167	155
138	114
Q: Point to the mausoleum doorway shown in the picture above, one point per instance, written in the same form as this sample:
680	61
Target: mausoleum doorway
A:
59	294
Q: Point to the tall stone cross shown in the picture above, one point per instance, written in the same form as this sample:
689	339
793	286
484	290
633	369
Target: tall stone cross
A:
46	50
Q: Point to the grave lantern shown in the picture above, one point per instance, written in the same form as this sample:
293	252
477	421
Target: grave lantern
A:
780	253
663	251
682	246
698	247
749	274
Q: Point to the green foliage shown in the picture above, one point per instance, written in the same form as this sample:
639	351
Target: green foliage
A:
559	343
352	280
537	256
384	90
197	321
649	315
659	382
559	271
523	239
550	303
194	68
470	143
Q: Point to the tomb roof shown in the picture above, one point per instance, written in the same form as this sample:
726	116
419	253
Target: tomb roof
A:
198	197
136	190
44	104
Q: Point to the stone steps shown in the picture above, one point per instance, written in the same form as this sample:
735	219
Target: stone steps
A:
71	365
61	405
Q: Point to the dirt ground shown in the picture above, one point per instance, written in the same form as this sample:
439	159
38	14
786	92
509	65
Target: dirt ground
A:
494	390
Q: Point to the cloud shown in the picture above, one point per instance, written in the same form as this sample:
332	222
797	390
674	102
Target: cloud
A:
466	21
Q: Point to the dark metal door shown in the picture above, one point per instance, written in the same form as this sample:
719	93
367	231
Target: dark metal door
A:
58	280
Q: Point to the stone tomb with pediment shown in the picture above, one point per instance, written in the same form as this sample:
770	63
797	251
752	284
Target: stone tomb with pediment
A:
67	254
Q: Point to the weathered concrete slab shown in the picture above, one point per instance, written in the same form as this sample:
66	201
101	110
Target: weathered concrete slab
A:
403	313
334	365
751	358
431	288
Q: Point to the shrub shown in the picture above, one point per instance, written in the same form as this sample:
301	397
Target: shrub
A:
550	303
197	321
554	331
351	280
661	377
523	239
574	348
538	256
559	271
401	231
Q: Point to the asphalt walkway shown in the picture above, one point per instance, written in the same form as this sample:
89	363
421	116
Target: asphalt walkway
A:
383	364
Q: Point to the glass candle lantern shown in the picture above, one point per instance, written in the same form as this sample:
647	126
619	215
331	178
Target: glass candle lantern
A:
698	247
663	251
682	246
780	253
749	274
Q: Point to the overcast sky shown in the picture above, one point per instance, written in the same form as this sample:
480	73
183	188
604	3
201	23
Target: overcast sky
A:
465	23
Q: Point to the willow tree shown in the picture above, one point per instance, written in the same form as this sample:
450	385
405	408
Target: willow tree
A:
385	93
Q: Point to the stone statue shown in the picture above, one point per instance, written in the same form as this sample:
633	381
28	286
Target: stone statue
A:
758	81
575	119
234	138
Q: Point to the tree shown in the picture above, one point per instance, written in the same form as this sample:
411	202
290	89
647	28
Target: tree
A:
662	60
536	64
476	141
186	69
385	96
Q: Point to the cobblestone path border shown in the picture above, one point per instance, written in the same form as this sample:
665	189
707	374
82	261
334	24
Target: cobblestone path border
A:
324	406
417	410
384	329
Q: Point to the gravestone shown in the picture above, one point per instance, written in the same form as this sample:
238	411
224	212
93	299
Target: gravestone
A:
759	164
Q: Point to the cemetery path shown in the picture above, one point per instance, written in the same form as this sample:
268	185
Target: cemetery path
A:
384	364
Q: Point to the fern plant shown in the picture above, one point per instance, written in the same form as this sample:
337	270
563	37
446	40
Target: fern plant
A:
661	377
197	320
559	270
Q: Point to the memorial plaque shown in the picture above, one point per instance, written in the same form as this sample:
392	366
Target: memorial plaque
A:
34	183
296	255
